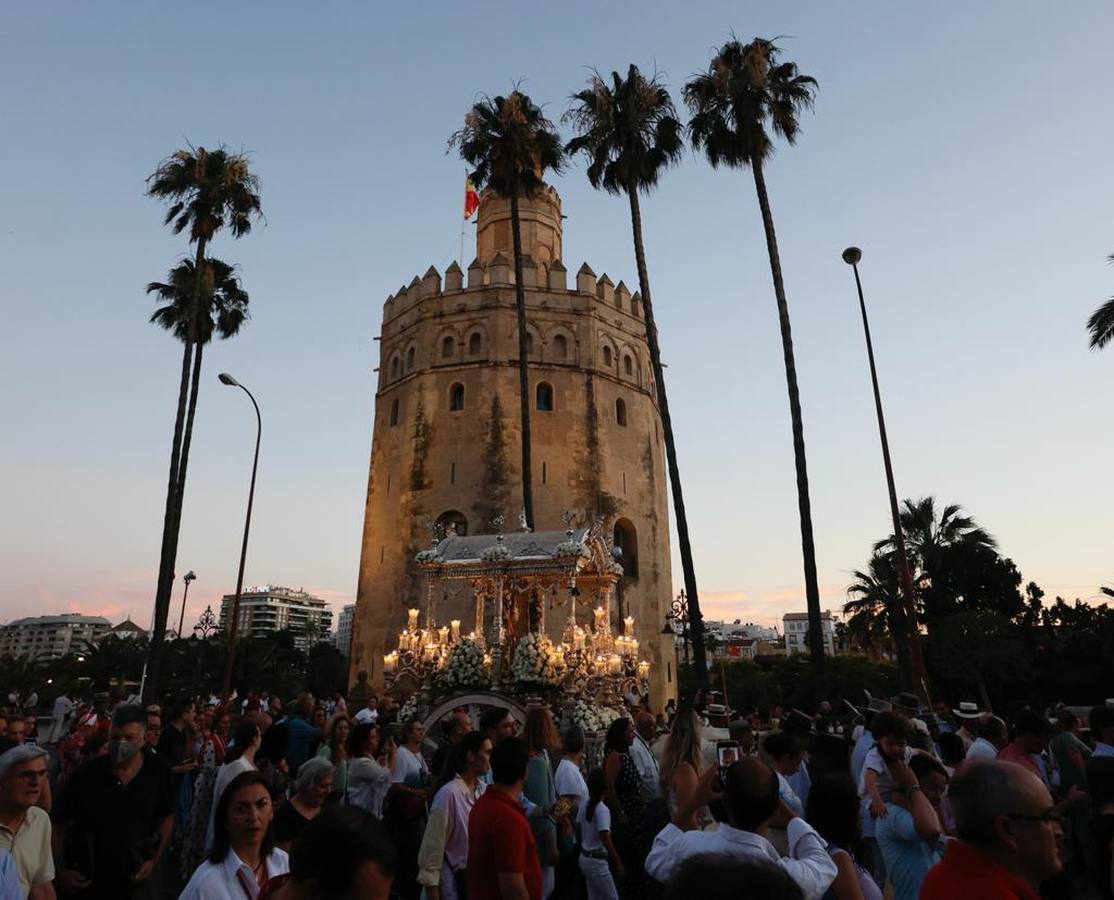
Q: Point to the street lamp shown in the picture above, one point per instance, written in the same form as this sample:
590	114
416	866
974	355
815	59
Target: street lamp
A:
230	656
852	256
187	578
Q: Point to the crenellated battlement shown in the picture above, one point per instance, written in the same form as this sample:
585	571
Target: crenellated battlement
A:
540	281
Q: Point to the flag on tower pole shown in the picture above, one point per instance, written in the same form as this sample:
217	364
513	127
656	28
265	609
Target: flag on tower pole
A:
471	198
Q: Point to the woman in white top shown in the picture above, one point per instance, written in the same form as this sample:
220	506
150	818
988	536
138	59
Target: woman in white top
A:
568	782
240	758
368	779
243	857
596	847
681	766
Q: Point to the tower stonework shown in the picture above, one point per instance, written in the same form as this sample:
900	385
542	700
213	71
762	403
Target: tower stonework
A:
445	443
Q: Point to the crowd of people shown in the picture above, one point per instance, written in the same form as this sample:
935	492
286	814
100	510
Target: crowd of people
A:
339	798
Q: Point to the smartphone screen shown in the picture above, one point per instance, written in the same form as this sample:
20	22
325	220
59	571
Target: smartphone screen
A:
727	754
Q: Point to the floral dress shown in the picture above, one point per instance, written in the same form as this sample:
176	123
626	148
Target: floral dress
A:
193	841
633	837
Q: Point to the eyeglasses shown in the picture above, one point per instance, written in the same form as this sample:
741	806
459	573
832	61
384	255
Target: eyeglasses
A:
1050	815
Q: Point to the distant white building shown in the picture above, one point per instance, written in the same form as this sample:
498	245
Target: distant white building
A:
267	609
796	632
344	629
52	637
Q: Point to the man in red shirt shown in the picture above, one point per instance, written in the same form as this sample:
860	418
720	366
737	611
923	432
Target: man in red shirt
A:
1008	832
1031	734
502	856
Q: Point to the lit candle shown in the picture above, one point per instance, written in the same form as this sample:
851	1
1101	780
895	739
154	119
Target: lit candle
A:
487	660
403	640
643	669
389	661
443	634
628	626
634	646
455	623
599	617
614	664
413	620
578	638
430	651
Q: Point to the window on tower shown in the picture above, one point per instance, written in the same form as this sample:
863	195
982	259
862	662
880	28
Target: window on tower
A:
621	412
545	397
628	365
394	367
475	344
626	543
448	347
452	522
411	356
560	347
394	412
456	397
529	345
607	356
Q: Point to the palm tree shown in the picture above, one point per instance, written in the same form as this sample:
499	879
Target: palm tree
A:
745	94
207	191
629	133
938	540
876	612
511	145
1101	323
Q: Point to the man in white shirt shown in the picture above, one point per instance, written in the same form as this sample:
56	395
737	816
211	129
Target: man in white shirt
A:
751	800
993	736
1101	722
645	729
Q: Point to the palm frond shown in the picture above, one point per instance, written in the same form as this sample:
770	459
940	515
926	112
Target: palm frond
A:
224	302
1101	325
744	96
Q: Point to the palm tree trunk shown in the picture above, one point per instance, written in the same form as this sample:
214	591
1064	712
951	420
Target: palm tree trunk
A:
187	436
172	517
523	369
696	620
808	550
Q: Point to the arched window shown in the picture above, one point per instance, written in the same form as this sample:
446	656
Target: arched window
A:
456	397
452	522
626	547
607	356
560	347
475	344
628	366
394	366
411	355
545	397
621	412
529	345
448	347
394	412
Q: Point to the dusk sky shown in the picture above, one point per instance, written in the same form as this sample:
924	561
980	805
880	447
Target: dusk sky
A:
964	147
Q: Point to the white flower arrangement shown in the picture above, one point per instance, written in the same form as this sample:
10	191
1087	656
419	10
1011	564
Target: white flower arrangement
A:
464	667
537	662
594	719
409	708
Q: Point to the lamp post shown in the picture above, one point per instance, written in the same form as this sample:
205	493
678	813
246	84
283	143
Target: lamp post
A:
914	666
230	656
187	578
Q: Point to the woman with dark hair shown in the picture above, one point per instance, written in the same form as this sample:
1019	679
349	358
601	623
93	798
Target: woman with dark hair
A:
569	783
243	857
541	737
443	856
239	758
344	853
833	810
369	777
597	848
270	759
334	748
628	811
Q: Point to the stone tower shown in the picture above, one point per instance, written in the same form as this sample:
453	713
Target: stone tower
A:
445	443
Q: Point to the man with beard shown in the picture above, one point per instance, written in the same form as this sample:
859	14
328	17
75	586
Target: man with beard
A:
115	816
